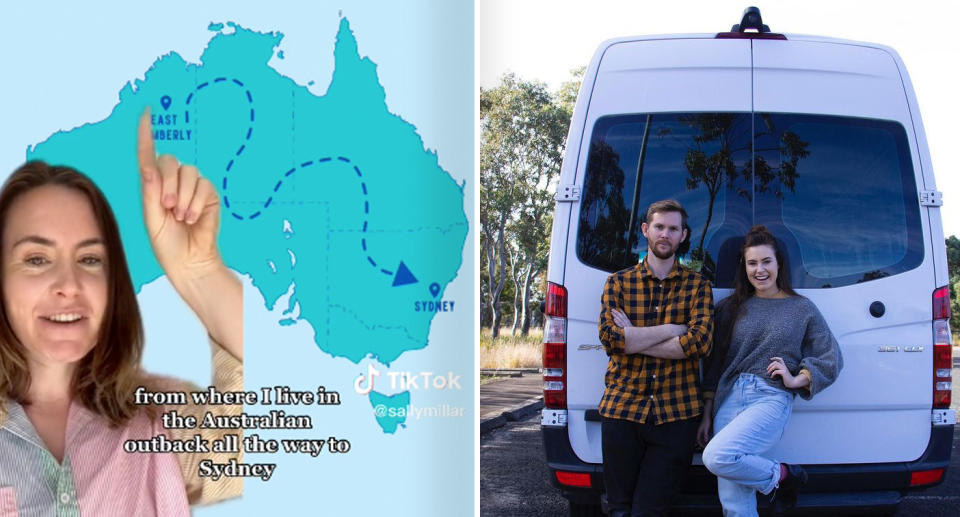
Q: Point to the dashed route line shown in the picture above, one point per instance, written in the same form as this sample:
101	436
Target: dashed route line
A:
442	229
266	204
303	166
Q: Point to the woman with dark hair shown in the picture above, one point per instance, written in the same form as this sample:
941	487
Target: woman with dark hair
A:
770	345
71	340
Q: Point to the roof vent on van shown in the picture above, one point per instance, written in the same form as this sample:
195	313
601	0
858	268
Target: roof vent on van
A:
751	26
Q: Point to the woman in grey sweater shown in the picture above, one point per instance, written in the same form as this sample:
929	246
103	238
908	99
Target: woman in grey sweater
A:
770	345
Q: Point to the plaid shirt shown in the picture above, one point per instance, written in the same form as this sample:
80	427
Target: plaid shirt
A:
643	388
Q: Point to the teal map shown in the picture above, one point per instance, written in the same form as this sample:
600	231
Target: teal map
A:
390	410
342	142
330	203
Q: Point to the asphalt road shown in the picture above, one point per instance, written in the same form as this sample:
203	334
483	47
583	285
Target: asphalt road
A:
514	477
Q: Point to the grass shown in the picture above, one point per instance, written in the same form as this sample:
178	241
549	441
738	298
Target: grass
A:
510	351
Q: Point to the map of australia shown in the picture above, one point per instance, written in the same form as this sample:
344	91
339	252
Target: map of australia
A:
329	202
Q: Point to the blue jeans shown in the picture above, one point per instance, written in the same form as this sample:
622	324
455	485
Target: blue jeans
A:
750	422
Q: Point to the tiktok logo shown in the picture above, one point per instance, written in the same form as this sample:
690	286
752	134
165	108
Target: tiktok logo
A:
371	374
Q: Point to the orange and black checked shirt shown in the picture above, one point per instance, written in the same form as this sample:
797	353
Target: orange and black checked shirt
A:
650	389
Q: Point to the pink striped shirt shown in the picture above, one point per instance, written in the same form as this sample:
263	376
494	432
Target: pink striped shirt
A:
97	477
110	481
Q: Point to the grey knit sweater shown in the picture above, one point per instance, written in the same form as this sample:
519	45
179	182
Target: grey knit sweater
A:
791	328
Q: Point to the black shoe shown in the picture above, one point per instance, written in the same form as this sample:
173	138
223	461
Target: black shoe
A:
785	496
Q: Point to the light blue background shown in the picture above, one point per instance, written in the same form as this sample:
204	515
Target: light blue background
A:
64	66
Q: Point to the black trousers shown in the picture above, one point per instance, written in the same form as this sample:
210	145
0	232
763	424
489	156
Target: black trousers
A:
644	465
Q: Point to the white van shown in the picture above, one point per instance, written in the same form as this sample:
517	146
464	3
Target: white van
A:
820	140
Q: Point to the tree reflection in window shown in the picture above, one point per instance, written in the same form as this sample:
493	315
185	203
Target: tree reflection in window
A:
798	174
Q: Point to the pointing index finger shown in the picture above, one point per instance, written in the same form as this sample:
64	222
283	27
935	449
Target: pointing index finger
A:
146	154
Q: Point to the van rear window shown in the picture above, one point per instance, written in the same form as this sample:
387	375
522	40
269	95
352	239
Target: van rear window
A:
838	192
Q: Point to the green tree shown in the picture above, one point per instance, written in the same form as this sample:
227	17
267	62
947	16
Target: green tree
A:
521	147
568	91
532	230
953	270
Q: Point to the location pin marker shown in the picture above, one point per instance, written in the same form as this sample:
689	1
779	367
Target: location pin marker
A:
165	102
434	289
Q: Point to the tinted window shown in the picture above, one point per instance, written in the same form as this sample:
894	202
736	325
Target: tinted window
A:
838	192
849	213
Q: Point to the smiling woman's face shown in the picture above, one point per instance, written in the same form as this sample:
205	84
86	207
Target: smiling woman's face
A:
54	274
762	268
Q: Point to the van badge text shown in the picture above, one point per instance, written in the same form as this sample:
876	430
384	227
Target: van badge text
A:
888	349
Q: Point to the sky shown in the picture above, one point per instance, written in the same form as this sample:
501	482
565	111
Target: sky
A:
544	41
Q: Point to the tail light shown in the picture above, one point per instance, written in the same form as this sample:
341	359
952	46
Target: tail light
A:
750	35
555	348
579	479
942	341
926	477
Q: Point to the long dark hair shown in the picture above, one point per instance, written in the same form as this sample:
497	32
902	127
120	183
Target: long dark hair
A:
742	288
107	376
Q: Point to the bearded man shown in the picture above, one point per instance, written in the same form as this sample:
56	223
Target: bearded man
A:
655	326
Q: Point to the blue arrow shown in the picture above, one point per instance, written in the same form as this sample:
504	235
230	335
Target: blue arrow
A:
403	276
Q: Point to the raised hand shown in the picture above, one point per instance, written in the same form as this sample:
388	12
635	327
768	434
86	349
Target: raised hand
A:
181	210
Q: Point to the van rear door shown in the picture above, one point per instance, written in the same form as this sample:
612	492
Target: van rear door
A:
679	75
856	236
